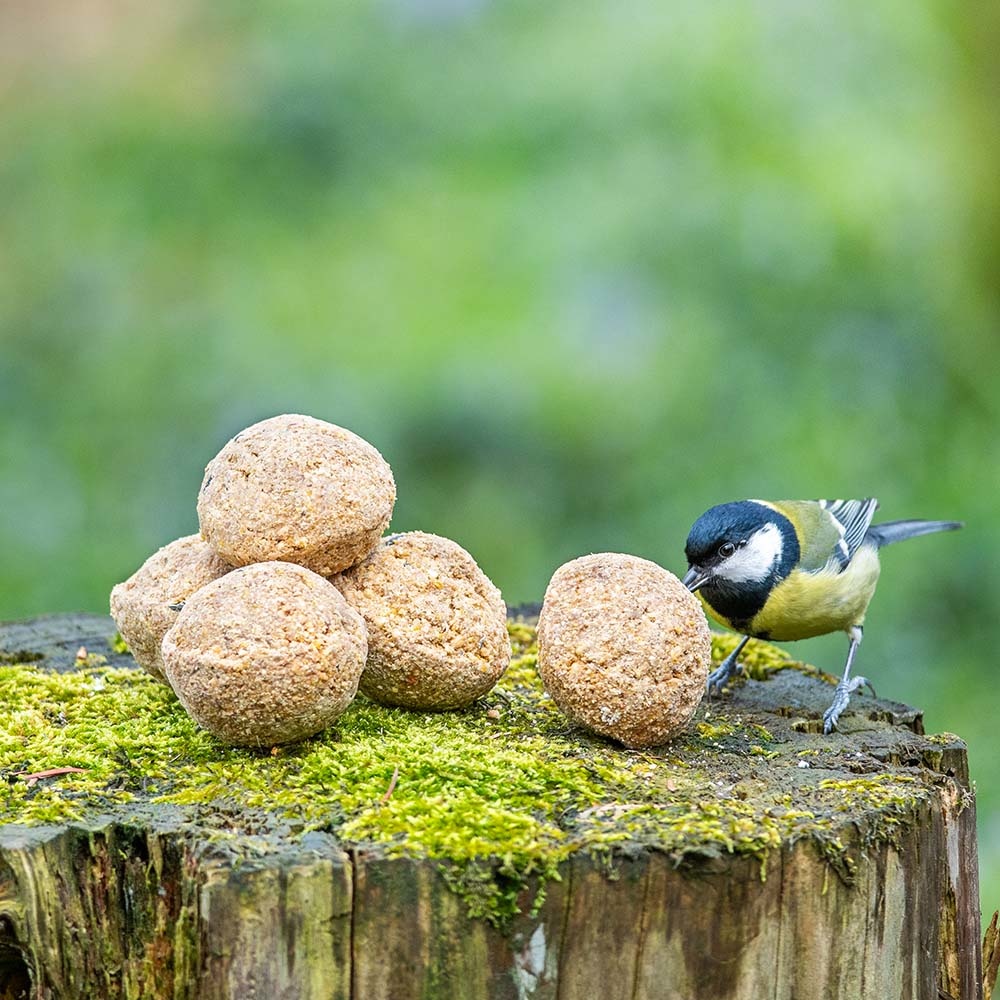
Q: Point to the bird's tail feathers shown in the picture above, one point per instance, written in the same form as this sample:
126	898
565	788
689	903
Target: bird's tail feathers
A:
898	531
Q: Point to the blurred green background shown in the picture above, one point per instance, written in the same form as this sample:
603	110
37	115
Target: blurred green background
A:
579	271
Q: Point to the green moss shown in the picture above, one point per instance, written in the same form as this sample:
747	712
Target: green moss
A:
760	659
888	800
944	739
501	791
708	731
118	644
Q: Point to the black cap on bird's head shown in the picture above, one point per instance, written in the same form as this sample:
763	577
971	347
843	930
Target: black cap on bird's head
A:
744	542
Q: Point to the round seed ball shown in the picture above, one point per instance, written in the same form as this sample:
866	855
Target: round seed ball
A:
141	605
296	489
623	648
437	627
267	654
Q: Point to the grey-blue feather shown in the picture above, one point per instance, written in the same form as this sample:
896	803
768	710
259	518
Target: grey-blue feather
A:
898	531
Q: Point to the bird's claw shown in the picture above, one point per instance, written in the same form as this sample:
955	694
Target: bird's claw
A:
841	700
721	676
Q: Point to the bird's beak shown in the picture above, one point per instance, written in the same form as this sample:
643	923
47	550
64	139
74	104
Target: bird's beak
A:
695	577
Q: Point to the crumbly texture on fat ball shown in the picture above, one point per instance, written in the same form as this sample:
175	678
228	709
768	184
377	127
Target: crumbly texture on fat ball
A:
269	653
140	605
623	648
296	489
437	626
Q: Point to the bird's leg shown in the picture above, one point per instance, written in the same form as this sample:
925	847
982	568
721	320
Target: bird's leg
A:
719	677
847	686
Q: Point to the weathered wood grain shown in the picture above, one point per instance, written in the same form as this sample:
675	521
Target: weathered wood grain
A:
279	928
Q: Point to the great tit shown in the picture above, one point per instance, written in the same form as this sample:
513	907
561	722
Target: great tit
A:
793	569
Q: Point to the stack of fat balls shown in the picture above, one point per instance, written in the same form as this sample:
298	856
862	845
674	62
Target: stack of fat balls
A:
292	598
266	624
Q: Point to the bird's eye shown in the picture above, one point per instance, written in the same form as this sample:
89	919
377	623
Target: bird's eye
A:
726	549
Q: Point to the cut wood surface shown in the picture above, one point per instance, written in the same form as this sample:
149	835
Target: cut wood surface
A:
874	894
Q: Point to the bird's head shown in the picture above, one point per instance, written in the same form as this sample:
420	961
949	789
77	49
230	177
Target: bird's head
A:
738	546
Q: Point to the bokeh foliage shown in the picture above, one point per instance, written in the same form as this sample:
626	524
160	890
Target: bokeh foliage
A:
578	270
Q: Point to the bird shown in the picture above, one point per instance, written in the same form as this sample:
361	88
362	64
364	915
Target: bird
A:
793	569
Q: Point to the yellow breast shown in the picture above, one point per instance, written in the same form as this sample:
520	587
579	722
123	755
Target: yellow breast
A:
808	604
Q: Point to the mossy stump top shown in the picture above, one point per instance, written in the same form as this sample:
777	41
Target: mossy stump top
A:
491	852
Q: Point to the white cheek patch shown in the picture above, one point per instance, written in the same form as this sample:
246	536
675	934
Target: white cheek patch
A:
756	559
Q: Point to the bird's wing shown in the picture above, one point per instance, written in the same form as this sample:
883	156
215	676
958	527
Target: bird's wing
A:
852	519
829	531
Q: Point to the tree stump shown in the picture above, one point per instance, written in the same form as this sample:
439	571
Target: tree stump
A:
491	853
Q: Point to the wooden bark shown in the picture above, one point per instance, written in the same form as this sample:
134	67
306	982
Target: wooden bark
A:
147	907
